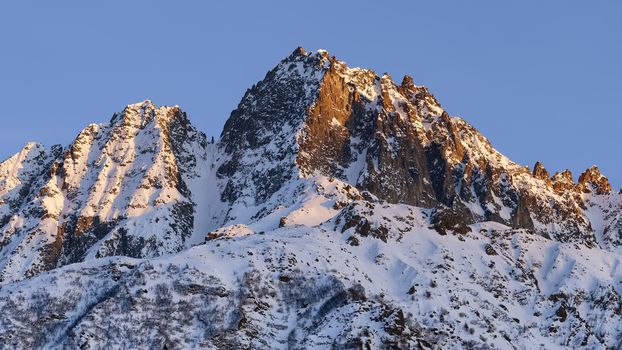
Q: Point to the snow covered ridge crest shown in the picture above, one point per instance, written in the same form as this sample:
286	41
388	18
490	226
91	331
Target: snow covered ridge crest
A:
339	209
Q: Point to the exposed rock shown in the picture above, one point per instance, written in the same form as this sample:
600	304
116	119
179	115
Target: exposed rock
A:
540	172
593	181
489	249
563	182
445	219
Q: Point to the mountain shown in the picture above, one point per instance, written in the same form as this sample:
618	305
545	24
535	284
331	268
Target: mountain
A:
396	142
120	188
339	209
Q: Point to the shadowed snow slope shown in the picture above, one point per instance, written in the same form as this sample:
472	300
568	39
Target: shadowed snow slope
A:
339	210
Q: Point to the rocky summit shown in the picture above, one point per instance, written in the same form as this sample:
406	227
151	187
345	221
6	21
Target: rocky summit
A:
339	209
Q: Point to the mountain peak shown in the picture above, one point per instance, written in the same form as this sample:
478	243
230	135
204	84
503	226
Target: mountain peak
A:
408	83
563	181
142	104
32	144
540	172
300	52
591	180
140	114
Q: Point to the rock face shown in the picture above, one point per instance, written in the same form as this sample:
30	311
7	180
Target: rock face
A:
259	137
338	210
540	173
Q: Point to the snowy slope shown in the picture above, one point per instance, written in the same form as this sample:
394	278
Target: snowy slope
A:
318	287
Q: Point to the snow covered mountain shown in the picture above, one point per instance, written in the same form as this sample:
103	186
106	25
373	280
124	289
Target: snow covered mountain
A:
396	142
120	188
339	209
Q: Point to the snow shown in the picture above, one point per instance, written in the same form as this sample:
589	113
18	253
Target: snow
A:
463	279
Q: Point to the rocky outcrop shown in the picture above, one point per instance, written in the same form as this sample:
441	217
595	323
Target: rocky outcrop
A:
592	181
540	173
563	182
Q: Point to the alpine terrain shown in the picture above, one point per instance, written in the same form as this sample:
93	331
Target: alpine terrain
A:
339	209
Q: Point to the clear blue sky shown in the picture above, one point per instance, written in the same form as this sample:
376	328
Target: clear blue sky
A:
541	79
